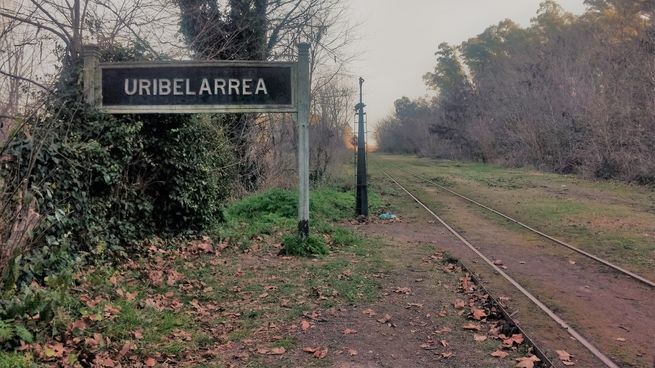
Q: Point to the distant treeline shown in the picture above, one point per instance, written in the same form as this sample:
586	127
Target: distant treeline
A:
567	94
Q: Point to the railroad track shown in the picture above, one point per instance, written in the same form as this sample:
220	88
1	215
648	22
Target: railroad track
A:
600	260
543	307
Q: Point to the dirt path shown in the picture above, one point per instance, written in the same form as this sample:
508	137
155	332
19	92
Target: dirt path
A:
415	324
611	310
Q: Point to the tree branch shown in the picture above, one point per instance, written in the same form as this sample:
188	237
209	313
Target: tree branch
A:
43	86
4	13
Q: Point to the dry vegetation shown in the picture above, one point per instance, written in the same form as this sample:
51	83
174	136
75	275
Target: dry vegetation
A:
567	94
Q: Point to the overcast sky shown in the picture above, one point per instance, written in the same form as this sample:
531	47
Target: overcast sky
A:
399	39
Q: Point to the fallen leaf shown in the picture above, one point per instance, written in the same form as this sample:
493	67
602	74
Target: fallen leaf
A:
447	354
138	334
471	326
478	314
305	325
125	349
403	290
277	351
385	319
349	331
499	354
444	343
320	353
459	304
111	310
56	350
104	361
525	363
150	362
78	325
621	339
369	312
466	285
414	305
351	352
563	355
443	330
156	277
479	338
514	339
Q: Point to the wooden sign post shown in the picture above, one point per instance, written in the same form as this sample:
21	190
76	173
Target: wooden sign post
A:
208	87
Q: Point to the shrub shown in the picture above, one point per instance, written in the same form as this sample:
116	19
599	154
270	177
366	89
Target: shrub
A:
191	171
278	202
296	246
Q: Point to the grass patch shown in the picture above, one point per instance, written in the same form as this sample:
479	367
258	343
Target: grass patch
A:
15	360
295	245
274	213
608	218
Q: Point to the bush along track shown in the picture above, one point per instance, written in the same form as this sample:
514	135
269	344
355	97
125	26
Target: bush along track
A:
228	299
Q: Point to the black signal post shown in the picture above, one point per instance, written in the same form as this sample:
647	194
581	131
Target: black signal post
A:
362	187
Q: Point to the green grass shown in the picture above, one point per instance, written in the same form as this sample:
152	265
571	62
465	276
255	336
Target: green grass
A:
295	245
569	207
15	360
274	212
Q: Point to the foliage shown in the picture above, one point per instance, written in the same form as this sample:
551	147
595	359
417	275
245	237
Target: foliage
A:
295	245
275	202
15	360
275	211
103	184
191	171
79	163
559	95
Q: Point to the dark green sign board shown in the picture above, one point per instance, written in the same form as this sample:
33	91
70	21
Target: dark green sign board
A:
192	87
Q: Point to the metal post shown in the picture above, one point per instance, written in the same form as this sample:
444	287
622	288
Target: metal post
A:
362	188
303	100
91	54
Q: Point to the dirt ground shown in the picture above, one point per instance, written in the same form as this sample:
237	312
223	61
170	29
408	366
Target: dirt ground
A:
415	324
612	311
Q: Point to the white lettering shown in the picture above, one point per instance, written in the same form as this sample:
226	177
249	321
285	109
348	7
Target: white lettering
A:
234	86
219	84
189	92
204	87
261	86
131	92
247	85
144	87
164	87
181	86
177	86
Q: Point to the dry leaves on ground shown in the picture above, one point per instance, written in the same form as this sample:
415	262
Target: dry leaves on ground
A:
472	326
527	362
318	352
499	354
565	357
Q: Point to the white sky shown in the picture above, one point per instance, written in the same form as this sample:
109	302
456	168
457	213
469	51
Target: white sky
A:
399	39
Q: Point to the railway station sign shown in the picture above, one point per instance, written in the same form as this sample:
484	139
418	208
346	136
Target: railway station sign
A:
188	87
197	87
